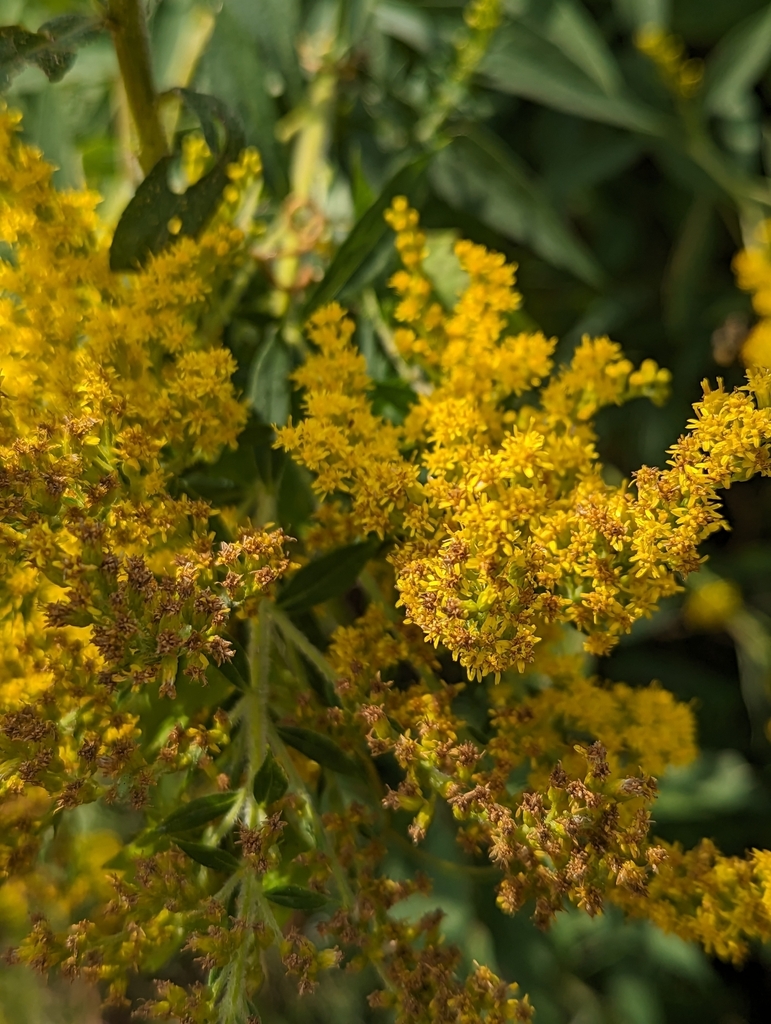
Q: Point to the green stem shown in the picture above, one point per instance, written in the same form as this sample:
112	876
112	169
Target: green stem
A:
259	663
126	20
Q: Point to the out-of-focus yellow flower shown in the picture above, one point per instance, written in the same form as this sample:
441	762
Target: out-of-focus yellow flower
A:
681	73
712	605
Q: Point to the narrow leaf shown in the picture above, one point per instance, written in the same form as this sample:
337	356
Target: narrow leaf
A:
318	748
365	235
143	229
326	577
479	174
197	812
235	670
209	856
296	897
270	782
269	392
736	64
520	62
570	27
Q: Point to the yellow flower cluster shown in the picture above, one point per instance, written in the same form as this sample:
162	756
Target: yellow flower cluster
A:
493	486
116	353
508	543
724	903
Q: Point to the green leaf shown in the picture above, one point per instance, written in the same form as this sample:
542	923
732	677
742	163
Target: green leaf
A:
326	577
479	174
197	812
235	71
736	64
568	25
296	897
209	856
240	659
639	13
270	782
407	23
274	26
365	235
318	748
268	390
521	62
143	229
52	48
236	670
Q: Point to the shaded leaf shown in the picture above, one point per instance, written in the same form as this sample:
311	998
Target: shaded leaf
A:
365	235
274	25
395	392
229	672
143	229
296	897
52	48
479	174
209	856
318	748
736	64
520	62
269	390
270	782
407	23
568	25
197	812
326	577
235	71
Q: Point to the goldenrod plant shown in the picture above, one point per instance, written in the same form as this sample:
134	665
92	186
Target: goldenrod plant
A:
319	562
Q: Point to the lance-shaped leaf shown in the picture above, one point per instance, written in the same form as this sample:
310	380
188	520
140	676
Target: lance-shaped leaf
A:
296	897
480	175
521	62
738	61
197	812
209	856
326	577
52	48
366	234
318	748
270	782
144	228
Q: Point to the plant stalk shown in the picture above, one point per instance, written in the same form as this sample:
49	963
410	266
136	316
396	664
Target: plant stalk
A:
128	25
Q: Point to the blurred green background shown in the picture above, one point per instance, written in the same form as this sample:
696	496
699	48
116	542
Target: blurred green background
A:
569	154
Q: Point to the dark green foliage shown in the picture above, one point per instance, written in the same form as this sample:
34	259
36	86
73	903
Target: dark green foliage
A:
326	577
318	748
296	897
209	856
270	782
144	228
